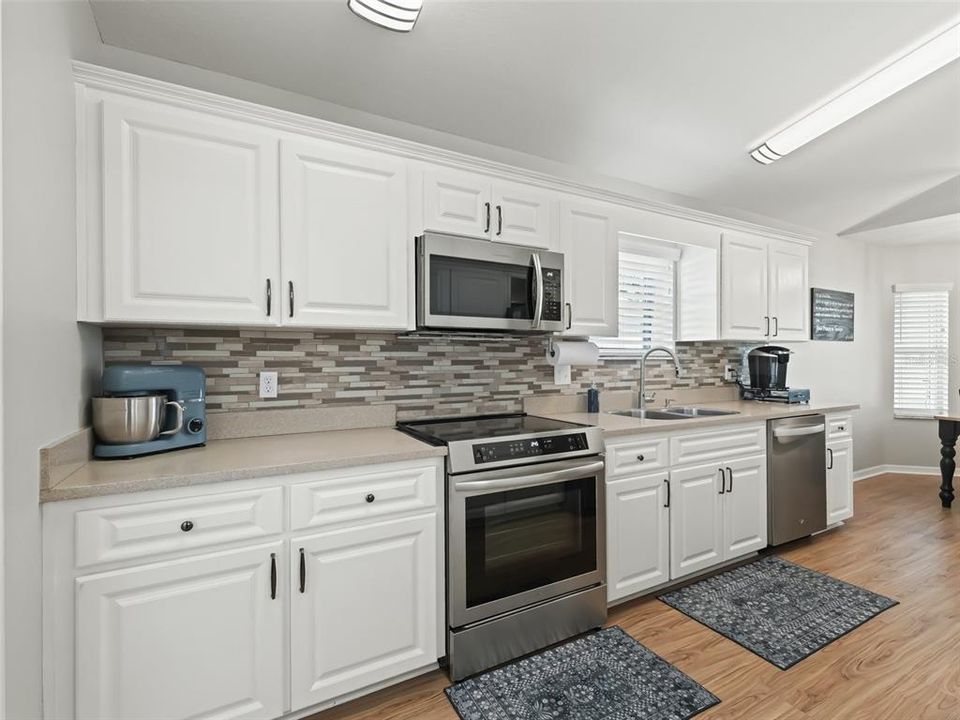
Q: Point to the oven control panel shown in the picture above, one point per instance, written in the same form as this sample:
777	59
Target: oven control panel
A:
532	447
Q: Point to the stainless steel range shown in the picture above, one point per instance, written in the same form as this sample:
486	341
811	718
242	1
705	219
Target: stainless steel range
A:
525	534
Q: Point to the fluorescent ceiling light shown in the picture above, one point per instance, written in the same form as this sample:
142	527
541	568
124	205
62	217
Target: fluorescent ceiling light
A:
399	15
904	71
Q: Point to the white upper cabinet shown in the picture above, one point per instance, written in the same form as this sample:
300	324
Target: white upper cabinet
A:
588	241
480	206
743	303
788	268
343	236
189	217
456	202
523	215
200	637
764	288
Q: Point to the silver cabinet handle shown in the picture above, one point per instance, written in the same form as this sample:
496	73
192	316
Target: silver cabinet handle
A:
290	296
776	326
499	220
269	297
767	331
538	280
723	482
486	229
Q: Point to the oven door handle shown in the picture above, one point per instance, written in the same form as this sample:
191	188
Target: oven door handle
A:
538	291
516	480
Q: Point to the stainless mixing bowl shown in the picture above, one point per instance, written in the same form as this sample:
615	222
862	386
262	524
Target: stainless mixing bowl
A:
127	420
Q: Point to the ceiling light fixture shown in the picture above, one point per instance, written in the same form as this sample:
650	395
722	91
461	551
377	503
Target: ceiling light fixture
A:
904	71
399	15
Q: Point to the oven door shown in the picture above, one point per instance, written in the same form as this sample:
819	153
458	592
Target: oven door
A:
523	535
470	284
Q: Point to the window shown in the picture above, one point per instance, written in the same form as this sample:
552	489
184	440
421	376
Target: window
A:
921	321
647	298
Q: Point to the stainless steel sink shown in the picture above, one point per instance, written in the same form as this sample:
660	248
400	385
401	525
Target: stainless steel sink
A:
674	413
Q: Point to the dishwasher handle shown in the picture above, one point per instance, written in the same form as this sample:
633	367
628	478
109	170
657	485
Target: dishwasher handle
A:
798	430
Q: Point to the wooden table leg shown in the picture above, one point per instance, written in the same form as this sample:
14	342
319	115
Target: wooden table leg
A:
949	431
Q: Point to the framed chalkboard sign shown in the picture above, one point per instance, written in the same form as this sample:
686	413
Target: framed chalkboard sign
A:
831	315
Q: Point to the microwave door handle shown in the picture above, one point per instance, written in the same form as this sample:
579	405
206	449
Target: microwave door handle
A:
538	291
526	479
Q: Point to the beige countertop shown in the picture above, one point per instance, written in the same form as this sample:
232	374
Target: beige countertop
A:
749	411
240	459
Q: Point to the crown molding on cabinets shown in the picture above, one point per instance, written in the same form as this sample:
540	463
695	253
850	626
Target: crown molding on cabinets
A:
136	86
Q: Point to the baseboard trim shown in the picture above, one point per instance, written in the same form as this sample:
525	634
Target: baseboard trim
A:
898	469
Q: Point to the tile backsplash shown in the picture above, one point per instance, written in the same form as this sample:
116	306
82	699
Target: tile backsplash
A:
422	375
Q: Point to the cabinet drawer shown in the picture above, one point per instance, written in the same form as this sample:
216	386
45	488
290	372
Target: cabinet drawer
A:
153	528
348	496
637	455
839	427
705	447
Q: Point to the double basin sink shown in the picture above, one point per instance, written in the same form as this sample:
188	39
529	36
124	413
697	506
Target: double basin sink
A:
674	413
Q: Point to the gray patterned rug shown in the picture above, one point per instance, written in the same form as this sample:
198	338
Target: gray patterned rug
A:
780	611
606	675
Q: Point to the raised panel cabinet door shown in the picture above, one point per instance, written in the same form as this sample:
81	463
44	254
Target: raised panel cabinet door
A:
743	283
638	535
745	506
839	481
524	215
588	240
696	519
343	236
457	202
190	218
789	291
363	606
199	637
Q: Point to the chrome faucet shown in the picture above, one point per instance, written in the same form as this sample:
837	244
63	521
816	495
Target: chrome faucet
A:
643	373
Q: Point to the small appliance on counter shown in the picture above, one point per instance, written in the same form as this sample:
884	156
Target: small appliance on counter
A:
768	376
148	409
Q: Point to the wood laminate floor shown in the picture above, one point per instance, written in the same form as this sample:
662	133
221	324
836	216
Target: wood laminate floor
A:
901	665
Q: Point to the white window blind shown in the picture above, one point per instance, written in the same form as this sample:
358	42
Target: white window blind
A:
647	305
921	350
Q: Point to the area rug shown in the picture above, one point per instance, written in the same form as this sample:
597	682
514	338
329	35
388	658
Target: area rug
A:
606	675
781	611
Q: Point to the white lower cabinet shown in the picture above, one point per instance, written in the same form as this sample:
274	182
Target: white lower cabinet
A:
638	534
363	606
198	637
696	519
745	507
839	481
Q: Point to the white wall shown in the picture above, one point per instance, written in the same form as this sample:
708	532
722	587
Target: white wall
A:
845	371
911	442
49	363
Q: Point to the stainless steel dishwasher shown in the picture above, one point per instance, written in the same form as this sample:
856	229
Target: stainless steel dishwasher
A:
796	478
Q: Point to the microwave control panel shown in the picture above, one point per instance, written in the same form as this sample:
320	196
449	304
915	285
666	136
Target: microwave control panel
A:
552	295
532	447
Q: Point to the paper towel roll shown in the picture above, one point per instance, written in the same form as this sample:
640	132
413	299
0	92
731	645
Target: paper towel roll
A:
573	353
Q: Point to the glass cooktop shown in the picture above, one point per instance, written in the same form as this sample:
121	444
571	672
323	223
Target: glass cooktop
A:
444	431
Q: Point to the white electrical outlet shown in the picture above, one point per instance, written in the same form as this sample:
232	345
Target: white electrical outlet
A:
269	384
731	373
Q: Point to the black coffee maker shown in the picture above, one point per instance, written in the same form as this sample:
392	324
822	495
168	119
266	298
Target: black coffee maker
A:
768	376
768	367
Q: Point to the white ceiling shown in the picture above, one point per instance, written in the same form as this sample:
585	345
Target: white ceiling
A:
668	94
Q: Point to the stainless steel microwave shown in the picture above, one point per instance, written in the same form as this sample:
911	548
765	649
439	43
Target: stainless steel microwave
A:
466	283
